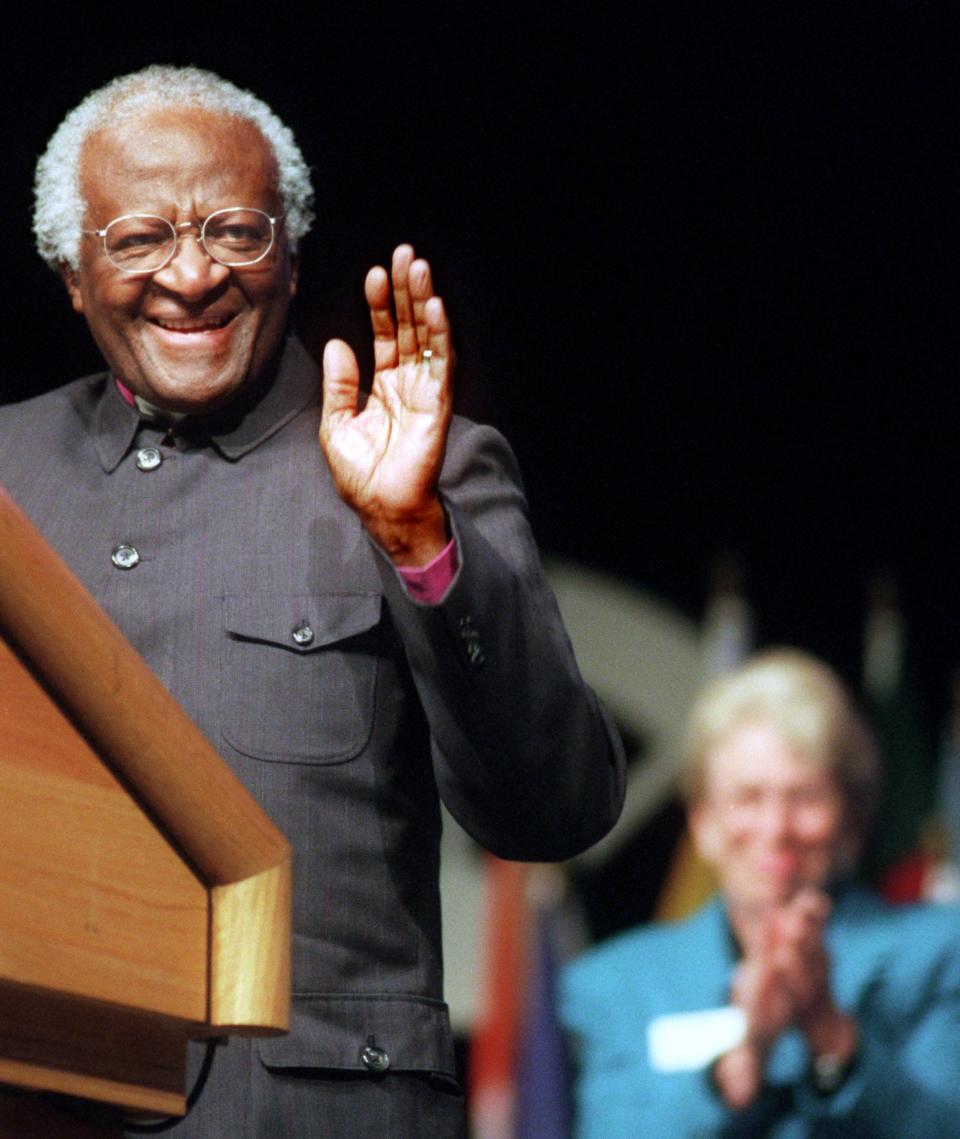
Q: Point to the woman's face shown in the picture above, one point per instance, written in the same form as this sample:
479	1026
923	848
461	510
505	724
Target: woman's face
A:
771	820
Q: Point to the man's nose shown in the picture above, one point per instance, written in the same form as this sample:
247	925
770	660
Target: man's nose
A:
191	272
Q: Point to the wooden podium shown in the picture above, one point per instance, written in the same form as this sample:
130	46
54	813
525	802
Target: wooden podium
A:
144	895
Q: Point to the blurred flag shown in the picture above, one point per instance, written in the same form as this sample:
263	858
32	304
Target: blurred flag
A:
727	640
728	634
519	1077
493	1043
948	786
895	856
543	1077
942	881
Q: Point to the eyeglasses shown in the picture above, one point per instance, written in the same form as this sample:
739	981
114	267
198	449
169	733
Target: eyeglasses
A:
144	243
747	804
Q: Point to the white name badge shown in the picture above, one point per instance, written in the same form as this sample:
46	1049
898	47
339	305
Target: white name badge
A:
686	1041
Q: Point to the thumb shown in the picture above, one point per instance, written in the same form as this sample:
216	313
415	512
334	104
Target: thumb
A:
341	381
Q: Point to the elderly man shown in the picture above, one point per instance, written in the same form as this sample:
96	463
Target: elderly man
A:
355	626
794	1004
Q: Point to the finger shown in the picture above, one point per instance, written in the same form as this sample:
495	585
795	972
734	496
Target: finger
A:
407	344
792	959
376	288
804	919
739	1075
438	338
751	977
341	384
798	951
421	290
767	932
811	900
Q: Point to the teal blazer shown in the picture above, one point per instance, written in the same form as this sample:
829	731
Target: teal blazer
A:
896	969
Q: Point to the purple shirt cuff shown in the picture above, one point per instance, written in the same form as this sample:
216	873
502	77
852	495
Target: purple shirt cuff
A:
428	584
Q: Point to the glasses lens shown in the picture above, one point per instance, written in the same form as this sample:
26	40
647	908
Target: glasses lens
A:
238	236
139	243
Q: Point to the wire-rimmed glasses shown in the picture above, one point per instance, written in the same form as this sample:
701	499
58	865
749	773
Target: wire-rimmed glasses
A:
145	243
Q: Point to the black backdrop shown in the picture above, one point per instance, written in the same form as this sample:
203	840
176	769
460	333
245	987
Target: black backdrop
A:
700	257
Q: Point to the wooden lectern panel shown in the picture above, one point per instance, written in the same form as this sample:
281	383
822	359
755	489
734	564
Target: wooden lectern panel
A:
81	1048
144	895
94	901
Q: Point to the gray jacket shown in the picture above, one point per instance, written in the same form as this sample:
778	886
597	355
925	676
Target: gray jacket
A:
343	705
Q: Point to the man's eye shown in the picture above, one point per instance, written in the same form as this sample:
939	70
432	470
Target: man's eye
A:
141	240
236	235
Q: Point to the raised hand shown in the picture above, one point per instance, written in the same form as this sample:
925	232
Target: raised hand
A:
386	457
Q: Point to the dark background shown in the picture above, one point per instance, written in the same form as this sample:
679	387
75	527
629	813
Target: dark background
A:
701	260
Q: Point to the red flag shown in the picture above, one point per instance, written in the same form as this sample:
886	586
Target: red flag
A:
494	1043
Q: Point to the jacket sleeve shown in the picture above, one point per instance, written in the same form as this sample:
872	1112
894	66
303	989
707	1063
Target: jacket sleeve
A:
606	999
525	757
906	1080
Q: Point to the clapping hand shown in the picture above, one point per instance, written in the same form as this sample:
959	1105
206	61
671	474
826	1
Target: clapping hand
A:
784	981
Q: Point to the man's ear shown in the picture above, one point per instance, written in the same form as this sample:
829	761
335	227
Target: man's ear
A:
71	279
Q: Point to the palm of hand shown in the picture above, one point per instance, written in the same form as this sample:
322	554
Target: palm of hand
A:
387	457
760	991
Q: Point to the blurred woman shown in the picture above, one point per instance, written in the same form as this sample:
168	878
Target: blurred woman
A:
795	1003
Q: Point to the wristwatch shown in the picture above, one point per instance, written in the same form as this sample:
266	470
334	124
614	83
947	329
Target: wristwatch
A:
828	1072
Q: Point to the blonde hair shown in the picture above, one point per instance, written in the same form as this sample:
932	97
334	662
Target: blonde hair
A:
807	702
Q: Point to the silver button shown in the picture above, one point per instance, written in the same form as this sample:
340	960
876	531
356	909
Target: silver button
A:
149	458
303	635
374	1058
125	556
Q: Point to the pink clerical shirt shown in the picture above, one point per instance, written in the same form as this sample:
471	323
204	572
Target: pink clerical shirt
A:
426	584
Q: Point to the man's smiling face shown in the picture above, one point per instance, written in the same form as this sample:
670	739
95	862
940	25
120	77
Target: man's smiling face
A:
192	335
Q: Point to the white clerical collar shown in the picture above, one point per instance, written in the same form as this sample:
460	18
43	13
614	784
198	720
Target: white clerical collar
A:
159	414
147	409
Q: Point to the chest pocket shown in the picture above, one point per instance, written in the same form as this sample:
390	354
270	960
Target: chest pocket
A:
299	675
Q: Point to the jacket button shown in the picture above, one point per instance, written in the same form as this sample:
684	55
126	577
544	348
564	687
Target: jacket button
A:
374	1058
303	635
125	556
149	458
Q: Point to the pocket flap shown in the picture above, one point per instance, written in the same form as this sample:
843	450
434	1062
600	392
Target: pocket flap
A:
303	672
411	1032
316	619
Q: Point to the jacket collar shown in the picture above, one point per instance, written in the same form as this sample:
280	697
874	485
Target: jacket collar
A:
235	431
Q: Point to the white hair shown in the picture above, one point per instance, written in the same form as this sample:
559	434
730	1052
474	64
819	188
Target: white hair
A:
58	203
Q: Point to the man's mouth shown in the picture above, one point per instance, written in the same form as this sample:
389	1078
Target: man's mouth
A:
191	325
